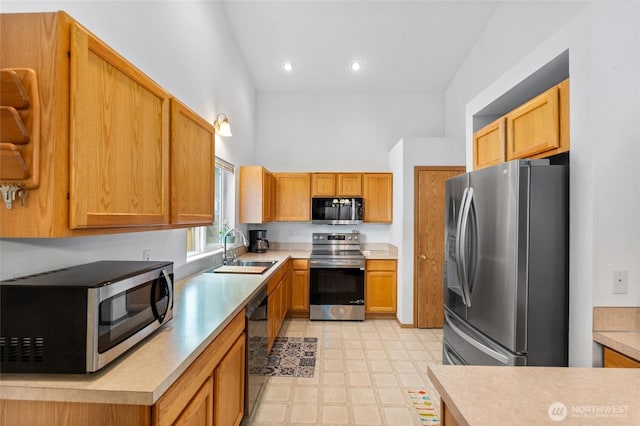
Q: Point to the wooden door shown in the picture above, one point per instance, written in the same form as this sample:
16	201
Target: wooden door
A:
429	243
228	397
119	140
192	167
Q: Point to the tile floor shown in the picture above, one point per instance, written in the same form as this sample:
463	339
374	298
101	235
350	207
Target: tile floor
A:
364	371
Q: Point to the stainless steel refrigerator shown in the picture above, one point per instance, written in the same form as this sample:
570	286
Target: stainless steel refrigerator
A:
506	265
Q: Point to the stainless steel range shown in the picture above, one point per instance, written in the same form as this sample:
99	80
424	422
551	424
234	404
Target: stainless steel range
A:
336	282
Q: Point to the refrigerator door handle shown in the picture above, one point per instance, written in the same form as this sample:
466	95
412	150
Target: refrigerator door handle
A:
473	342
463	226
459	252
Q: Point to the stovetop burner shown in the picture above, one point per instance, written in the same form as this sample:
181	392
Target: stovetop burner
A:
334	249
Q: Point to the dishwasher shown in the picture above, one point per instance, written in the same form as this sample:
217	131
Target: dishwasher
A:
256	348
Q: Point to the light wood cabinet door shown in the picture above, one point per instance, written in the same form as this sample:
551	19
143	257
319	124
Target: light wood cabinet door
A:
489	144
538	128
293	197
380	287
199	411
323	184
274	314
256	193
228	381
300	286
192	167
378	197
534	127
119	140
349	184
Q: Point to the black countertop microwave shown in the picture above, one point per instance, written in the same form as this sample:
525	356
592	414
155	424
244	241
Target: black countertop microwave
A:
337	211
79	319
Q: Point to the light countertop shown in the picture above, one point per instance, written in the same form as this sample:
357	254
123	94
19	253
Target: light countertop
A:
625	342
204	305
480	395
618	327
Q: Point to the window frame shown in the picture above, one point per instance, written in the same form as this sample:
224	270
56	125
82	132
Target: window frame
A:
198	243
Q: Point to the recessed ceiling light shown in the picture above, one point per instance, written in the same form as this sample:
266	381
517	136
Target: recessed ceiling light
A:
356	66
288	66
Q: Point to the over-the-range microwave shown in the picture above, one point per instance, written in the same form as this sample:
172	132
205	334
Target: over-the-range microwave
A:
81	318
337	211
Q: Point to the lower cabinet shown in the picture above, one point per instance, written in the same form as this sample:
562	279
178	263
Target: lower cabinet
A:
614	359
299	303
228	397
199	411
211	390
380	287
277	302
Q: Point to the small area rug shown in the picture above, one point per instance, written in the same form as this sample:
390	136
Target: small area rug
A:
292	357
424	404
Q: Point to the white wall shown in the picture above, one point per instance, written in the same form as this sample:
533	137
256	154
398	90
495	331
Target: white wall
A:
341	131
514	30
187	48
404	157
604	54
338	132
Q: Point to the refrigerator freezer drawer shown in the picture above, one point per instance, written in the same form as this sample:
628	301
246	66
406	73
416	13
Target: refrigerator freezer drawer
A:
462	344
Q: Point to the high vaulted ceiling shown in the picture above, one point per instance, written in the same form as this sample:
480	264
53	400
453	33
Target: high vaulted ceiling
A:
403	45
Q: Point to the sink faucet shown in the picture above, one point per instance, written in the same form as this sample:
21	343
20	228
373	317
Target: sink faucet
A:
224	242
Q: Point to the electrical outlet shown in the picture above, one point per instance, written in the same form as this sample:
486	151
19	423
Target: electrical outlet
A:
619	282
146	254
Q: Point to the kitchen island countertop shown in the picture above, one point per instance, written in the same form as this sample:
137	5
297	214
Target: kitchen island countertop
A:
204	305
481	395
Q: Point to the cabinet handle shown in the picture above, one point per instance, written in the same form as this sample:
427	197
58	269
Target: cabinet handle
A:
423	257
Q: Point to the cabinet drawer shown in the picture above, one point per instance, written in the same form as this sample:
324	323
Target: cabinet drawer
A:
299	264
381	265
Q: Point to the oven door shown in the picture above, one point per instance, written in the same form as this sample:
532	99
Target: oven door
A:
336	293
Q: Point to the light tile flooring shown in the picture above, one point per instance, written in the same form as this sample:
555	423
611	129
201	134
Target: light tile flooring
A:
363	373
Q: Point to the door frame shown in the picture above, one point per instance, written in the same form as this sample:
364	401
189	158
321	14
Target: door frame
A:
416	171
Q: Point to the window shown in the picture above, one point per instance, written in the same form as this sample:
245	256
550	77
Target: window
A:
205	239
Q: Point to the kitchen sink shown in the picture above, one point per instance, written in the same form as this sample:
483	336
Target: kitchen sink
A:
244	267
265	263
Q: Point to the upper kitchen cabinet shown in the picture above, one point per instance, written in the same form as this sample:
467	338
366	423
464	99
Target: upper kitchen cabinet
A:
336	184
192	167
104	135
257	195
119	140
378	197
323	184
488	145
538	128
293	197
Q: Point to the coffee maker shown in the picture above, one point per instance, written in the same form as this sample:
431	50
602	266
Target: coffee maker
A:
258	242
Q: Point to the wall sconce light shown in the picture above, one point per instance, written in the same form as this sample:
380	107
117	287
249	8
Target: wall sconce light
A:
222	125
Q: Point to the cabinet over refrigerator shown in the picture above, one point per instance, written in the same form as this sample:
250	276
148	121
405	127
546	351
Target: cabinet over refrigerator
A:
506	265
